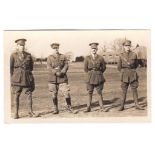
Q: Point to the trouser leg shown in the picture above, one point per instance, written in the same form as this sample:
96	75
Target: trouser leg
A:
53	88
99	89
90	89
55	103
135	97
124	93
89	102
16	105
30	103
123	96
100	98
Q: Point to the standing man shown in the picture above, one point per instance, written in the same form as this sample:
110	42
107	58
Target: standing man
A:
21	66
94	66
57	65
127	65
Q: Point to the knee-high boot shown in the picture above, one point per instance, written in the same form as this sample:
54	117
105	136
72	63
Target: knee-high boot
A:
55	103
30	109
16	106
123	100
89	103
69	106
135	97
100	98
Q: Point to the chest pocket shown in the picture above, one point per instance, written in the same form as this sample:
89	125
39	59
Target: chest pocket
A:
61	62
57	62
23	62
28	60
97	65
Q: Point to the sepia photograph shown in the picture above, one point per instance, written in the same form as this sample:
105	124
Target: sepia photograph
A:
77	75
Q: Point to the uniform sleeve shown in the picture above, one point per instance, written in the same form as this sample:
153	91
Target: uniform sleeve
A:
136	61
49	65
86	65
11	65
65	68
31	64
119	64
103	65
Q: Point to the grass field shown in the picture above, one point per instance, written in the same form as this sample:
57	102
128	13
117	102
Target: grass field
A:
42	101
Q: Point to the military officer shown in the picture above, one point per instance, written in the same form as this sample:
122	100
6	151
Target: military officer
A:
127	65
21	66
57	65
94	67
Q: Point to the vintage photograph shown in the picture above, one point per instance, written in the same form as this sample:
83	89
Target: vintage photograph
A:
77	75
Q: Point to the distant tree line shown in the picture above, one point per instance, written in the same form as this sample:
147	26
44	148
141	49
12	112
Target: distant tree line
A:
110	51
79	59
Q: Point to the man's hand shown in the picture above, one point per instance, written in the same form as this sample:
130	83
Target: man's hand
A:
59	74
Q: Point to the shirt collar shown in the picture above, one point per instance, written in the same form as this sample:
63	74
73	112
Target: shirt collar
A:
94	56
56	54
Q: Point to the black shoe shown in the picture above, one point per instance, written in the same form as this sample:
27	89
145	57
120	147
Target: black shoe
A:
56	111
102	109
70	109
16	116
139	107
32	114
121	108
88	109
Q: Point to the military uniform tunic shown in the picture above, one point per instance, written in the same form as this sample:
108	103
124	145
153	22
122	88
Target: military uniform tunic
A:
94	67
127	64
21	66
55	63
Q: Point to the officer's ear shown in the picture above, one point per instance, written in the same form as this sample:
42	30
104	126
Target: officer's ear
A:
17	47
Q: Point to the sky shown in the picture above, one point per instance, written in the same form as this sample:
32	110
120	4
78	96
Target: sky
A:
75	41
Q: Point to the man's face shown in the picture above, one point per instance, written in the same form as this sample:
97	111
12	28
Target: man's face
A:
56	50
20	48
127	48
93	51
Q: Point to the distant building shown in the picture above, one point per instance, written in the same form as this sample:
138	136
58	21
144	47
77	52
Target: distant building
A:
79	59
111	57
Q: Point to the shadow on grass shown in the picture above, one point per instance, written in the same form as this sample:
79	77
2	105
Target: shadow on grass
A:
95	104
115	105
110	104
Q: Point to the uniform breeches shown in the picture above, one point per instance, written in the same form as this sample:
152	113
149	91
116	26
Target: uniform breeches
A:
99	88
133	85
63	87
18	89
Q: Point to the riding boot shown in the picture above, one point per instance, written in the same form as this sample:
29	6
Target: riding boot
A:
123	100
89	103
55	102
69	107
16	106
100	97
135	97
30	110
